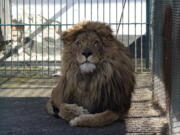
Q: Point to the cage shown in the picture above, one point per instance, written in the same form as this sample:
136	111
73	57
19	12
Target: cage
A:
166	59
31	49
33	27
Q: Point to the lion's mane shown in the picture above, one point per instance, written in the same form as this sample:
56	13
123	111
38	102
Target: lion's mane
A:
110	86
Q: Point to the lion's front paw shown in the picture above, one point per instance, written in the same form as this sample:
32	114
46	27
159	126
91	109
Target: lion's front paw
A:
82	120
74	122
70	111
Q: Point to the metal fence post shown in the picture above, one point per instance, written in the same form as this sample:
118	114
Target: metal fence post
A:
148	25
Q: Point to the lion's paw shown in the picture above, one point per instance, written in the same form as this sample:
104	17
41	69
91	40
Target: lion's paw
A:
71	111
82	111
74	122
78	109
81	120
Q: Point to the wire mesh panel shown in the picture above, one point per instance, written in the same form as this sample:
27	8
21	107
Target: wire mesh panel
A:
166	69
162	24
30	31
175	98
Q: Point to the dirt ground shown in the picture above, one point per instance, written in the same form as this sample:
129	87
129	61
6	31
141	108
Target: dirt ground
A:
22	102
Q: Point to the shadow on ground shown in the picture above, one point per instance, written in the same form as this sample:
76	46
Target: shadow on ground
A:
27	116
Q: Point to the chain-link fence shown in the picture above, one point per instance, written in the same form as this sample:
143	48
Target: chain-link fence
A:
175	77
166	69
161	47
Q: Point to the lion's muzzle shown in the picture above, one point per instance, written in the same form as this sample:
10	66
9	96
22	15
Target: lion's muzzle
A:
87	67
87	53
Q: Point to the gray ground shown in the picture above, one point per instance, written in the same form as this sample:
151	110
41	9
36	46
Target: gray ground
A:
22	112
26	116
22	102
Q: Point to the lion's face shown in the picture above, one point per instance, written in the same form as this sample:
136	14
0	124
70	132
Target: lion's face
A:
88	54
87	51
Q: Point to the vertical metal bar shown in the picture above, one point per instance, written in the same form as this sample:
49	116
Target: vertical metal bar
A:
109	12
66	14
97	10
79	10
17	33
116	18
150	36
122	20
36	28
48	39
85	9
54	37
24	64
42	37
73	13
61	26
30	47
91	10
11	35
135	49
1	3
61	29
128	20
141	41
147	48
5	33
103	10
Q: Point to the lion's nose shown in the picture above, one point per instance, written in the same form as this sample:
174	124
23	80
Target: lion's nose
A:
87	53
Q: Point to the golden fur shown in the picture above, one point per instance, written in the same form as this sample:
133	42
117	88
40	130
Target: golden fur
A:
97	77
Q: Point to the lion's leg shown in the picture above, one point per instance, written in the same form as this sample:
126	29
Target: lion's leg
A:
95	120
66	111
70	111
49	107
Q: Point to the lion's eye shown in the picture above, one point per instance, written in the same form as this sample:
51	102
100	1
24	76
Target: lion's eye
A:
77	42
96	43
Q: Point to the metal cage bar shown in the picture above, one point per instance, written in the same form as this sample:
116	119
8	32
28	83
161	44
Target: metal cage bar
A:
38	23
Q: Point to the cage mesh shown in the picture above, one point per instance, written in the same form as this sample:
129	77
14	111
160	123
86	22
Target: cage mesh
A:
30	30
175	102
166	60
159	19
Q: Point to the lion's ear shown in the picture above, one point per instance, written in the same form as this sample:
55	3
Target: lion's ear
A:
65	35
106	34
105	31
110	37
69	35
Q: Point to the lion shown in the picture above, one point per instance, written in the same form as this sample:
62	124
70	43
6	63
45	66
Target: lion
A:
97	80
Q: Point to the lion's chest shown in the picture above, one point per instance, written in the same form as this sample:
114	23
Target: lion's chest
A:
85	98
88	93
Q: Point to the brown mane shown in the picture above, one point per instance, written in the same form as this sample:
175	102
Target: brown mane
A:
110	86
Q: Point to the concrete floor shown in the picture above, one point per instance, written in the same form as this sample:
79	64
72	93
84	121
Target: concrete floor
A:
26	116
22	102
144	118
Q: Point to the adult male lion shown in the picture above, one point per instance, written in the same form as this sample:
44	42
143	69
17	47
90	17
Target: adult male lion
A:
97	79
